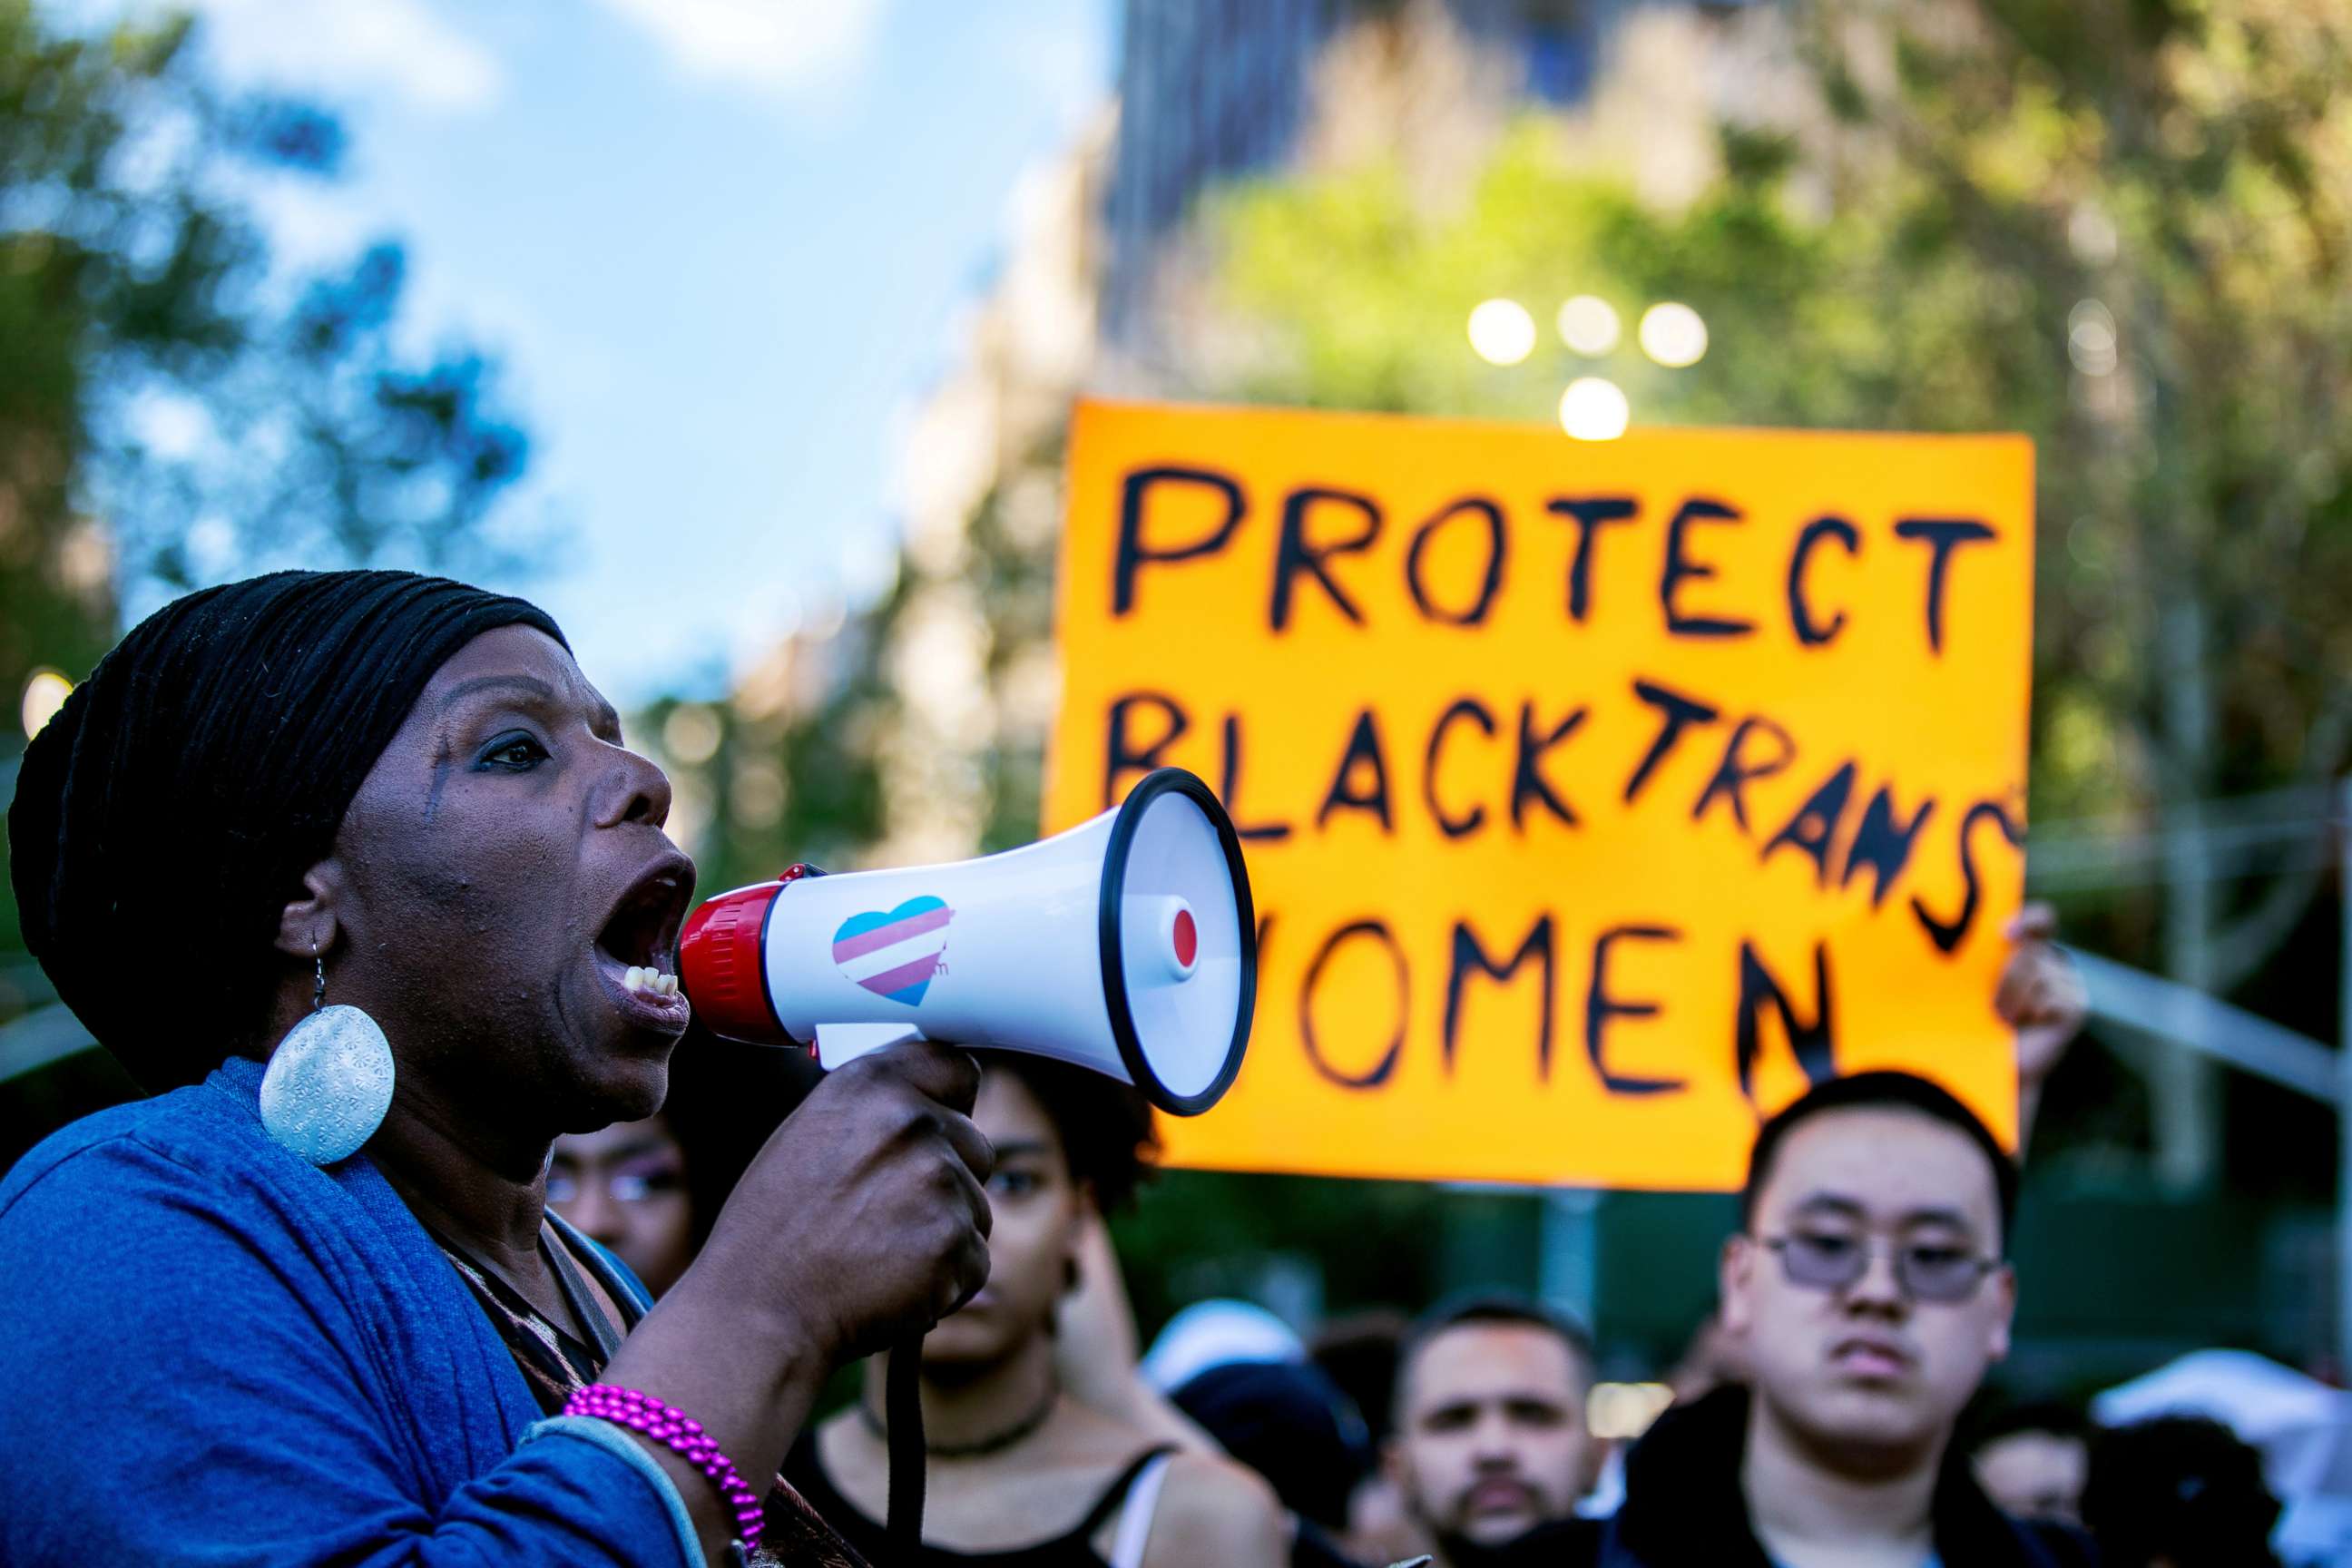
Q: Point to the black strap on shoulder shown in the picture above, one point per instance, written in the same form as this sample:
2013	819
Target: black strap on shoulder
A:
576	1297
628	1291
1116	1493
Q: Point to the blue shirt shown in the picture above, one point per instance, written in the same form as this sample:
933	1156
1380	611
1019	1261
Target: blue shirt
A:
213	1352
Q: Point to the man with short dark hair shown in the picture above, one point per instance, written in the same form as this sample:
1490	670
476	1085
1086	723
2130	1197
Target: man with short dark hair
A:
1868	1290
1490	1438
1863	1297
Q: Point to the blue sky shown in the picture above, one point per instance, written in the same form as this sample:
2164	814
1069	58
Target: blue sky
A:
720	246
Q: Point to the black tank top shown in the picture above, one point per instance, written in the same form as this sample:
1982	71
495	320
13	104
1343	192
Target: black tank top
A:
1073	1549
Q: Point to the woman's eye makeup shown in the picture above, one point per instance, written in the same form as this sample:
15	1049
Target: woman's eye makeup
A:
515	751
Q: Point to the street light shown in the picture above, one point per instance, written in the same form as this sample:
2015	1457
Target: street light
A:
44	693
1672	335
1589	326
1502	333
2091	340
1594	409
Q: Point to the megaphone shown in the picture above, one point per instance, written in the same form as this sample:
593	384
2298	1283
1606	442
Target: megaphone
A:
1127	945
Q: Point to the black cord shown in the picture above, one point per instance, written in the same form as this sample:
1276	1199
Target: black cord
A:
902	1409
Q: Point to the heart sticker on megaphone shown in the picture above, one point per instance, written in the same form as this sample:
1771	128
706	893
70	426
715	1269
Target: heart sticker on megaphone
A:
895	952
1128	945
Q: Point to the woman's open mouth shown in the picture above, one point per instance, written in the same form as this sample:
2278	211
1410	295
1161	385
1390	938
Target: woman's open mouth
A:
636	951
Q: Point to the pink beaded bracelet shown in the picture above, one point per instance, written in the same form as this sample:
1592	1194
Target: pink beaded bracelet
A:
670	1425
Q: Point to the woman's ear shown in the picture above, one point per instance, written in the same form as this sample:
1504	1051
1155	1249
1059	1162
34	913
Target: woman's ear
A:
308	925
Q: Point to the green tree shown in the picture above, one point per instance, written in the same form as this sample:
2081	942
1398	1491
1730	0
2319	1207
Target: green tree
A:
2120	227
137	300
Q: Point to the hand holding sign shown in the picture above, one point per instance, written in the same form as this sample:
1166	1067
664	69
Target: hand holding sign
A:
1597	795
2043	999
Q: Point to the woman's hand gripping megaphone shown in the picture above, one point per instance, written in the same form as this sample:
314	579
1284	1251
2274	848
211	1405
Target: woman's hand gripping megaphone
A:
1128	945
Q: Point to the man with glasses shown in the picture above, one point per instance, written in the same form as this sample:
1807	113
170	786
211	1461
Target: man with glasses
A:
1868	1290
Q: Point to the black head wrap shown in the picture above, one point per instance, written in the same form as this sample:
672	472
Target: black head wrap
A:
163	819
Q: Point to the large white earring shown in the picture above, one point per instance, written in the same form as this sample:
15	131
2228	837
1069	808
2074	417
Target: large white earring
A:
329	1081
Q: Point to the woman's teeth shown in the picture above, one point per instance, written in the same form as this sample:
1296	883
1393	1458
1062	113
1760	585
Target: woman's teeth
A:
650	982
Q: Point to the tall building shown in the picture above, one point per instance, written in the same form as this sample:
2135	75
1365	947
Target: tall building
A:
1207	89
1210	89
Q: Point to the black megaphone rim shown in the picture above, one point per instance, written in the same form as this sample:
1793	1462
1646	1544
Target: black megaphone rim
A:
1159	782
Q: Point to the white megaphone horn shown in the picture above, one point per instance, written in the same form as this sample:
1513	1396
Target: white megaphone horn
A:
1127	945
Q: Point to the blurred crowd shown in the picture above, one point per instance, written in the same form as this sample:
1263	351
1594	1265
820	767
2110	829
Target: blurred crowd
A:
1844	1390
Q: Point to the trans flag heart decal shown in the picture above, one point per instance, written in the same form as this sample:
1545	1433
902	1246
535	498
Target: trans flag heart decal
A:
895	952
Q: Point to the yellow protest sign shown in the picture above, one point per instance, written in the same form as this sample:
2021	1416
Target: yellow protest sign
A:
1594	795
